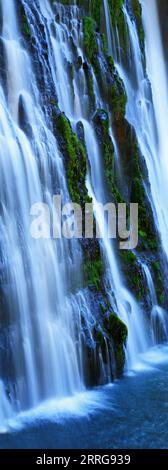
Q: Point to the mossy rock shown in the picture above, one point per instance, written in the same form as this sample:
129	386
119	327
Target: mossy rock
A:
93	266
101	125
137	12
134	275
89	39
24	25
133	168
117	332
75	159
90	85
118	20
93	273
158	281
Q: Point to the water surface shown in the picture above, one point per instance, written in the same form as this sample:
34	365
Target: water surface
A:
132	413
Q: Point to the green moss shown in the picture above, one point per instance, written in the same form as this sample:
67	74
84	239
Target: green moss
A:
118	332
116	7
93	273
92	8
118	20
89	39
137	10
128	256
75	160
26	28
111	86
95	11
147	234
158	281
117	97
101	124
24	23
133	174
113	332
90	85
138	286
117	329
104	44
133	274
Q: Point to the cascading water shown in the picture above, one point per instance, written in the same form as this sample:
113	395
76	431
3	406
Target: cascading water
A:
157	73
159	321
44	348
45	311
108	27
147	113
150	284
5	409
124	305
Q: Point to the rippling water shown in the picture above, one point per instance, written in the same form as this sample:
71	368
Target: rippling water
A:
132	413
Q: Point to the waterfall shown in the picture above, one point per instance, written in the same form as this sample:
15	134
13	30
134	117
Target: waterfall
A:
51	315
150	284
5	409
124	305
157	73
45	346
147	110
148	113
159	321
108	27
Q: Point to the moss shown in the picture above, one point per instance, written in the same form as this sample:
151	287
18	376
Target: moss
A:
117	97
23	22
118	332
93	268
26	27
137	11
133	173
112	334
89	7
128	256
96	11
92	8
117	329
75	159
93	272
138	286
133	274
116	7
104	44
158	282
90	85
111	86
101	124
89	39
147	234
118	20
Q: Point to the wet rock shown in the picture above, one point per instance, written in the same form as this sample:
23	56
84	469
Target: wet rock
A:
23	118
79	62
80	132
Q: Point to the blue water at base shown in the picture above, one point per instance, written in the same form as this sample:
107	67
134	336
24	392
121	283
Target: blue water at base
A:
131	413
